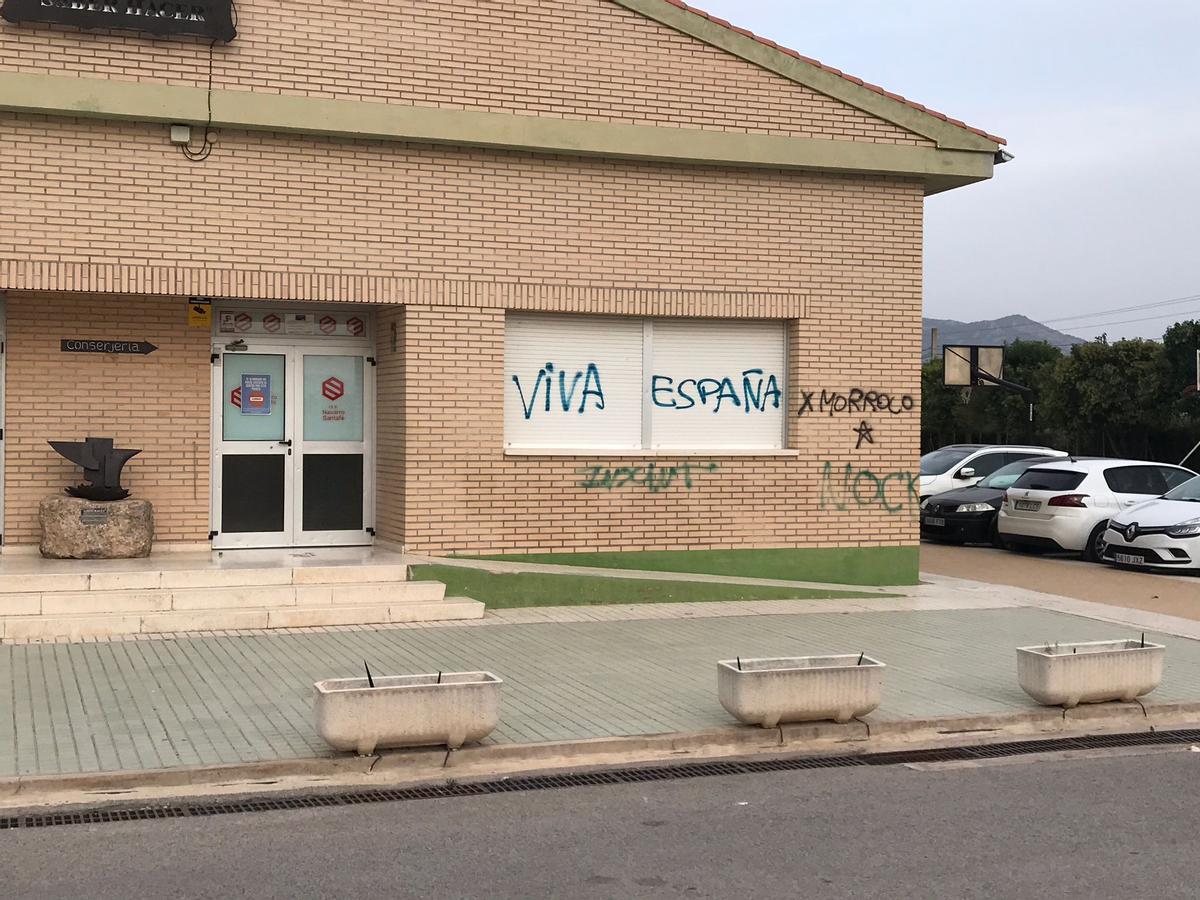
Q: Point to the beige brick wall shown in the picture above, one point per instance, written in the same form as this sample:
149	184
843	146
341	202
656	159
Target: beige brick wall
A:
590	235
158	402
390	425
112	212
463	493
82	192
575	59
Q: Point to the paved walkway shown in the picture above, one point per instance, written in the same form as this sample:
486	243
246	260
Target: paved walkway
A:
1169	593
574	672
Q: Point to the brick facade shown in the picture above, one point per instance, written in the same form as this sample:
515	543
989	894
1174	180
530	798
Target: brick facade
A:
446	239
158	402
576	59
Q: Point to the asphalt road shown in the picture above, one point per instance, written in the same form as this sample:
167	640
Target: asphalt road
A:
1173	594
1096	828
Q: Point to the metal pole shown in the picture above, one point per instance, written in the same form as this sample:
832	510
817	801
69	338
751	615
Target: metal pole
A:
1190	452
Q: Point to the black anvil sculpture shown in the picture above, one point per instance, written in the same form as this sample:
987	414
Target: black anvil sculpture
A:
101	467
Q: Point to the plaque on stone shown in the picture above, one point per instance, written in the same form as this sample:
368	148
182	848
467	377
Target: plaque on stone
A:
93	515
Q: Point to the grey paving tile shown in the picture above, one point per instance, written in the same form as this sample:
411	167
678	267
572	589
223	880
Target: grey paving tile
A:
232	697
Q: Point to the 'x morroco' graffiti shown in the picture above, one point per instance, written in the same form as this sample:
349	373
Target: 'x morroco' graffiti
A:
855	400
848	486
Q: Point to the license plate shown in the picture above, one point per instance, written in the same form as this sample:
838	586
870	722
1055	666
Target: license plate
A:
935	522
1128	559
1032	505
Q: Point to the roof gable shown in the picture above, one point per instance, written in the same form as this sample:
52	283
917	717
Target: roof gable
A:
791	64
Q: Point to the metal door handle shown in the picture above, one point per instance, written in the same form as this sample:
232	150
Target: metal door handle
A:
287	443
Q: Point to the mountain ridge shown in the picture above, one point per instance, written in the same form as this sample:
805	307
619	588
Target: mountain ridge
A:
1003	330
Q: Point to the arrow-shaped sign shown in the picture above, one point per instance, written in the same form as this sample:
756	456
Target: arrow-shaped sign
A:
72	345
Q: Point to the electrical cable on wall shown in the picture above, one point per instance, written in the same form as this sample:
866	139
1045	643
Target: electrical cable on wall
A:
206	149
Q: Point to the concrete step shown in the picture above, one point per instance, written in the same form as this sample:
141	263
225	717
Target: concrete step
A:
104	578
79	626
81	603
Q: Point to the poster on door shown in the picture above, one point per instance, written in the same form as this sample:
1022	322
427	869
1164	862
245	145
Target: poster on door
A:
256	395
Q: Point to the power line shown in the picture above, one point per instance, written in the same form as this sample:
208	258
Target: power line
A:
1121	309
1143	319
1115	310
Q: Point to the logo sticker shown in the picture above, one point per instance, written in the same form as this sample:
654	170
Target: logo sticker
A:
333	388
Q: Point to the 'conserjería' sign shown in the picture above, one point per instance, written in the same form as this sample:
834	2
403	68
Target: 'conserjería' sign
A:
71	345
206	18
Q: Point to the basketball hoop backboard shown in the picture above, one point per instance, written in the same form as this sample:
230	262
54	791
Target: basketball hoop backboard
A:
963	363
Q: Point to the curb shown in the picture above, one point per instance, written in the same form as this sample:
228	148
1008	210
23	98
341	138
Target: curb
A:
391	768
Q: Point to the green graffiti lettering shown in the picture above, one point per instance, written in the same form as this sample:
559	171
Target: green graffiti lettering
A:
845	486
653	477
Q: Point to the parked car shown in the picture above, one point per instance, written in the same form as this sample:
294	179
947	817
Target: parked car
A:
1161	533
963	465
1067	504
968	515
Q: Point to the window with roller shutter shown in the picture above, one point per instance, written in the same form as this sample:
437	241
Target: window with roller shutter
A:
589	383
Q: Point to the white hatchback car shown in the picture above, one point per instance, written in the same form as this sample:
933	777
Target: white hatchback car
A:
1162	533
964	465
1067	505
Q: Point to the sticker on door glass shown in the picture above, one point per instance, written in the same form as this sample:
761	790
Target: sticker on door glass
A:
255	395
333	398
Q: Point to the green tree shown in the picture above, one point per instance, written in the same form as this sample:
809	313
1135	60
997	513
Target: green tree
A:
1111	399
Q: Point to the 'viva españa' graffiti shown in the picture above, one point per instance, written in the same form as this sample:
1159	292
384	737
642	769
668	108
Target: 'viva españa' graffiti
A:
652	477
554	390
758	391
849	486
565	397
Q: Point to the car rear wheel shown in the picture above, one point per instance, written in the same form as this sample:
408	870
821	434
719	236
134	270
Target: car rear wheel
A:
1094	551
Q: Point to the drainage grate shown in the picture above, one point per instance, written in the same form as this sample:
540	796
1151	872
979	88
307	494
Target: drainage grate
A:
594	779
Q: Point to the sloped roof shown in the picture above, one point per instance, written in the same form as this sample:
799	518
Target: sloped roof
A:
838	72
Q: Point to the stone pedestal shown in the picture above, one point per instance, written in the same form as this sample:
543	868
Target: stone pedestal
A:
86	529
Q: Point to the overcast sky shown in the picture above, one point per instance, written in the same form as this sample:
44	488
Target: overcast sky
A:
1100	103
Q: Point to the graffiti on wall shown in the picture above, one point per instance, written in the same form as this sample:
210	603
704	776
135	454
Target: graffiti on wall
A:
651	477
757	392
866	434
847	486
558	390
564	398
855	400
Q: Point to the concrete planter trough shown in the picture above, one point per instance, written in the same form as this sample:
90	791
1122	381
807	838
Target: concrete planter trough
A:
451	708
767	692
1089	672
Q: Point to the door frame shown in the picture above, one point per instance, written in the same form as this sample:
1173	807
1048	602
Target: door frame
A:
300	538
293	348
3	403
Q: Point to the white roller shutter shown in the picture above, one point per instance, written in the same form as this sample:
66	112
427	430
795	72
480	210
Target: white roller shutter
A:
716	384
572	382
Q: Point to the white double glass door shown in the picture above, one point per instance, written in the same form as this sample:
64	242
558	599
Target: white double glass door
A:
292	450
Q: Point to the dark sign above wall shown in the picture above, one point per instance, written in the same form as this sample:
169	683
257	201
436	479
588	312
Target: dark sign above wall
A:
205	18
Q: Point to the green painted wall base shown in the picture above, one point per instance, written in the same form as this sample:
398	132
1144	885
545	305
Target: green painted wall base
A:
831	565
508	590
